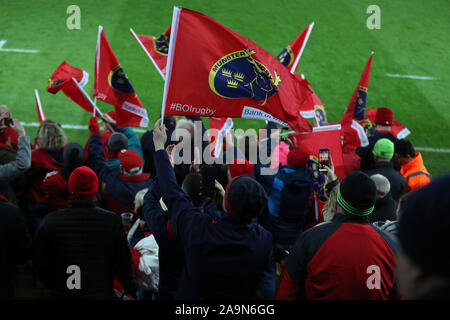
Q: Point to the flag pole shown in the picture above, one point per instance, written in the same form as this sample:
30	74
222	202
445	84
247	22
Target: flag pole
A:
173	36
148	54
297	60
94	106
41	114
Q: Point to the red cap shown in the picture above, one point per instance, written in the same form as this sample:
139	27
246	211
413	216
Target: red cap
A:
237	168
297	158
130	160
384	116
83	181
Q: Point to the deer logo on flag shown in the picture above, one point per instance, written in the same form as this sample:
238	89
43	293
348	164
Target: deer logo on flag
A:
286	57
239	75
161	44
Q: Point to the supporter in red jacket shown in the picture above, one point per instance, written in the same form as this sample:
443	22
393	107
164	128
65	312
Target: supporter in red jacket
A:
347	258
8	137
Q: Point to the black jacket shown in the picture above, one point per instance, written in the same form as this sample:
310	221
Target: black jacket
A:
385	209
92	239
366	155
398	183
15	246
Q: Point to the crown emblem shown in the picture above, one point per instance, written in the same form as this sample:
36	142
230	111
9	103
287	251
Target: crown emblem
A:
226	73
232	84
239	76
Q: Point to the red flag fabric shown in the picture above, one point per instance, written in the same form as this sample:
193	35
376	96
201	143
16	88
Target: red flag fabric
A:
357	105
112	86
61	79
314	108
398	129
218	128
325	137
290	56
214	71
40	111
156	49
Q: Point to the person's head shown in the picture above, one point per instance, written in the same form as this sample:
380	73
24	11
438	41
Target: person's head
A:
139	202
83	184
50	135
168	120
356	194
185	128
297	158
383	150
130	163
404	151
240	167
244	199
401	203
117	142
384	119
73	157
424	236
192	186
5	113
382	184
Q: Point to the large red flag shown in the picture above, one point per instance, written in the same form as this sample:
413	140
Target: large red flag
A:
61	79
112	86
214	71
156	49
357	105
290	56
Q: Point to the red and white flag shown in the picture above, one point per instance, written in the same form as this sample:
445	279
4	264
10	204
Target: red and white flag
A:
112	86
290	56
156	49
62	79
213	71
40	111
218	129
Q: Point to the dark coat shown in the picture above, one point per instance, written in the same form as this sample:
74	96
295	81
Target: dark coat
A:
15	246
366	155
92	239
385	209
224	258
398	183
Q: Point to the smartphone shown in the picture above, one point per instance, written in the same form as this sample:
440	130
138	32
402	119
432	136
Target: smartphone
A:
324	159
8	122
209	174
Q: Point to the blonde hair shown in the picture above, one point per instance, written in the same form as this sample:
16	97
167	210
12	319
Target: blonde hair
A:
50	135
330	207
139	198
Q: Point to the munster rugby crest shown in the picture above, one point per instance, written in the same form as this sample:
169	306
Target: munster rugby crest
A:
239	75
286	57
161	44
118	80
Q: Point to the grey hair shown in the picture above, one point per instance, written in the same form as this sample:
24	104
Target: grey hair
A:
382	183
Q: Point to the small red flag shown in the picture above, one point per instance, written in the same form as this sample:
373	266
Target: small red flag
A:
112	86
357	105
61	79
156	49
398	129
290	56
214	71
40	111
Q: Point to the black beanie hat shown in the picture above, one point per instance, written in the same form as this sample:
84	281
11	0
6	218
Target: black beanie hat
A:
117	141
424	228
73	156
357	194
245	198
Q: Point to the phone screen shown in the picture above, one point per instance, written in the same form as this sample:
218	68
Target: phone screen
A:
324	159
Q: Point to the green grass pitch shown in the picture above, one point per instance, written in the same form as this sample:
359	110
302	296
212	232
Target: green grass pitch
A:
413	40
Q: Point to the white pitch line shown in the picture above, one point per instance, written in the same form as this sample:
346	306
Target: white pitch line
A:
2	43
396	75
432	149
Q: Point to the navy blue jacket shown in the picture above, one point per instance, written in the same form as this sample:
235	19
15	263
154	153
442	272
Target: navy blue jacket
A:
119	190
223	259
289	192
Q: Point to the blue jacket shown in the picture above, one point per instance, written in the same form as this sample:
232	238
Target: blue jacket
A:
119	190
225	258
289	192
